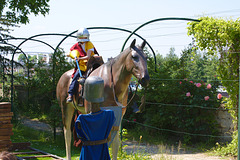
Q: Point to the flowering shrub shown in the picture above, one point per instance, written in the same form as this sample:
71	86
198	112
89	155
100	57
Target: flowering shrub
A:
199	99
184	106
200	91
176	106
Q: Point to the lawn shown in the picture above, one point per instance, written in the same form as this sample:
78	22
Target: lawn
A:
43	140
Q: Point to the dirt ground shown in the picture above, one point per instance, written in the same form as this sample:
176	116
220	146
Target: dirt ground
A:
157	152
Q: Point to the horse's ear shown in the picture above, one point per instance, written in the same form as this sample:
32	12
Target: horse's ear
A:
143	44
133	43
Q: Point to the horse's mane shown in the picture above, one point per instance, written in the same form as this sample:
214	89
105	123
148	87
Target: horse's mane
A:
115	59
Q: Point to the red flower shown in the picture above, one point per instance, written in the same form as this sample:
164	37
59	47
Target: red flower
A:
198	85
206	98
209	86
188	94
180	82
191	81
219	96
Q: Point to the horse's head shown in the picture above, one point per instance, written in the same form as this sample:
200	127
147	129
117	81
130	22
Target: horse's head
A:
137	63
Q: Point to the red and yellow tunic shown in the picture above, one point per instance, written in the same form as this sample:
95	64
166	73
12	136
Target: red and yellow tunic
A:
80	50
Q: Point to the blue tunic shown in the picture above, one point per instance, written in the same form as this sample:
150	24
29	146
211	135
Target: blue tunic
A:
95	126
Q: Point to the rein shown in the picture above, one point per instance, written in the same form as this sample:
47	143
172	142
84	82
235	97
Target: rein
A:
114	95
112	86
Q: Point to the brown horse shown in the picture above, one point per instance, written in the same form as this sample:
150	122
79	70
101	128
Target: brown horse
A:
116	74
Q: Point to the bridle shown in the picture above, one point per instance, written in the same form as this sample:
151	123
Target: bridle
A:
113	89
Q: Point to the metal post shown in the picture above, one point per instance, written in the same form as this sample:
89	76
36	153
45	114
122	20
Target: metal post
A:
121	137
239	111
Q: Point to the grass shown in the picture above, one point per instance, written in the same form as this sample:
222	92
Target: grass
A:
44	141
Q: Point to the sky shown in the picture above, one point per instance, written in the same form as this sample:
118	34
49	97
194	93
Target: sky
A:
68	16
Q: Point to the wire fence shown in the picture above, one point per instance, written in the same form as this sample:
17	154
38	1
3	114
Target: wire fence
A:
220	108
210	80
180	132
190	106
172	131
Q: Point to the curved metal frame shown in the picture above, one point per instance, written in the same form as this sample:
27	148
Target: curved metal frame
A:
89	28
14	52
125	30
70	35
155	20
17	48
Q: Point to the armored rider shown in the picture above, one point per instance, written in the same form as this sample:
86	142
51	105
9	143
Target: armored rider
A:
81	51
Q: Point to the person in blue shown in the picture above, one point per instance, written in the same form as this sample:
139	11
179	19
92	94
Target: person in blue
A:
94	128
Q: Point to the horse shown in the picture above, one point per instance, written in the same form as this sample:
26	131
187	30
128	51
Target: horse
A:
116	74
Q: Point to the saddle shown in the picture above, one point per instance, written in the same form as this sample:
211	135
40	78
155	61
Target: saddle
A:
93	63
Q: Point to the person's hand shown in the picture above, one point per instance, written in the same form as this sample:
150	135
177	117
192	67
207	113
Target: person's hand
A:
67	54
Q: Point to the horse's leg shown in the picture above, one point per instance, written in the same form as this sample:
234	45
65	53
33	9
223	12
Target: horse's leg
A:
68	114
115	146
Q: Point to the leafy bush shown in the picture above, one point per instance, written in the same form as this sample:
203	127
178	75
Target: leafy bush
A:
228	149
220	37
175	104
39	88
36	93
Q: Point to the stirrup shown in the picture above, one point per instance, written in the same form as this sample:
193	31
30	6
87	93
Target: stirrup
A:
82	80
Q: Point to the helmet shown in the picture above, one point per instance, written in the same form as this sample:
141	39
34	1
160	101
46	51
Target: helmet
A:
83	35
93	89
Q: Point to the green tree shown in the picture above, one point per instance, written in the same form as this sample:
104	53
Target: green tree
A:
41	102
17	11
198	65
12	13
221	37
22	58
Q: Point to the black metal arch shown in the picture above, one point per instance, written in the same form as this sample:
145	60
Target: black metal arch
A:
111	28
89	28
17	47
29	39
71	35
14	47
156	20
20	51
125	30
